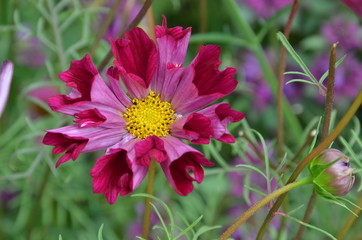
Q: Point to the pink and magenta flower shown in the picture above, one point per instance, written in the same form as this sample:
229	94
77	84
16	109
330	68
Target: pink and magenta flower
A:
165	103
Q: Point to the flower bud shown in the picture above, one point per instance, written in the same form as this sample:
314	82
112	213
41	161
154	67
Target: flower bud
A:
331	172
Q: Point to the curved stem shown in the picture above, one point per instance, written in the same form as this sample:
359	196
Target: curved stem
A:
323	145
148	207
250	212
350	220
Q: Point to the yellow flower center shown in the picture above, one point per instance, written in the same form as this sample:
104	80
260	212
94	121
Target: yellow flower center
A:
149	116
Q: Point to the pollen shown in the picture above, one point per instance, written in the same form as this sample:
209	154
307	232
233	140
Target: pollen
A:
149	116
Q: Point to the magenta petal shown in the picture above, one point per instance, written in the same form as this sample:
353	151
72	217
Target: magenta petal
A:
195	128
112	176
182	159
72	146
113	76
136	54
172	48
89	118
208	79
181	169
355	6
221	115
79	77
150	148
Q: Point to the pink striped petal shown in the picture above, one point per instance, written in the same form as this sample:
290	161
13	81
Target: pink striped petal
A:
172	48
6	75
113	76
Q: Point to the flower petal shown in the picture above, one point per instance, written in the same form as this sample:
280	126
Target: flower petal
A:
6	75
183	166
150	148
203	83
89	118
112	176
221	115
194	127
73	140
172	48
113	76
80	77
137	56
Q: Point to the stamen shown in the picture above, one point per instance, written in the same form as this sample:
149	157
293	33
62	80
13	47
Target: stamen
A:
149	116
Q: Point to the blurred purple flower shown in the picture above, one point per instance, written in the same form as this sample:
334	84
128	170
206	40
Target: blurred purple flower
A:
346	32
42	93
347	78
30	51
127	11
266	8
6	75
255	81
355	6
136	227
238	179
6	196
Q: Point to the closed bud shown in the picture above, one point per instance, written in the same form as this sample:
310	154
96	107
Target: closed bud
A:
332	172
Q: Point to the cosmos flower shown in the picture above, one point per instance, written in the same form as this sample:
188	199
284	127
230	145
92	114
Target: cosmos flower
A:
164	103
6	75
266	8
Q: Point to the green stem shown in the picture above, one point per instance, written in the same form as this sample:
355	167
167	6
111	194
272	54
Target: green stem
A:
35	210
350	220
326	123
132	25
323	145
148	207
57	35
110	16
252	210
251	37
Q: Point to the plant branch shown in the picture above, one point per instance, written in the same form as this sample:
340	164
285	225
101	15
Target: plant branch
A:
148	207
110	16
132	25
350	220
281	70
252	210
323	145
326	123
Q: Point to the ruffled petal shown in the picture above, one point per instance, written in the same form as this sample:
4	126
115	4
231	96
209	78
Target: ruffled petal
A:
112	176
150	148
172	48
137	57
73	140
183	166
80	77
202	82
194	127
89	118
220	116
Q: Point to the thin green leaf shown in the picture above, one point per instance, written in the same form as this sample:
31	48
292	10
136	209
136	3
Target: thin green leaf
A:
310	226
189	227
296	57
203	230
350	151
100	235
295	73
164	228
252	168
302	81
